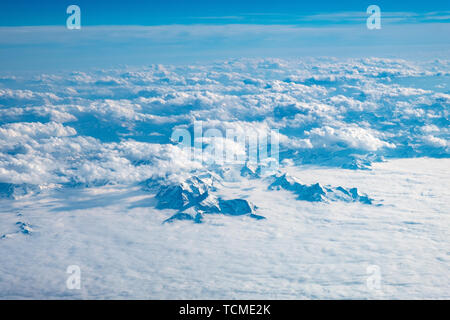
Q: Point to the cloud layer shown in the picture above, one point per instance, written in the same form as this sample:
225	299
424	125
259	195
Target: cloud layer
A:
115	126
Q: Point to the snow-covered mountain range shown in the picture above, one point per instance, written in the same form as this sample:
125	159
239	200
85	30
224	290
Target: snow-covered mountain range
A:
91	176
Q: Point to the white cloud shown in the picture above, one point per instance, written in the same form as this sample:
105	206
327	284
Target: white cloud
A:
113	126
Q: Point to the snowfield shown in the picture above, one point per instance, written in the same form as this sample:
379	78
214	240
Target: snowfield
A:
90	176
302	250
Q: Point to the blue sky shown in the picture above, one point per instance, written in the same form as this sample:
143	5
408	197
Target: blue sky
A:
33	34
163	12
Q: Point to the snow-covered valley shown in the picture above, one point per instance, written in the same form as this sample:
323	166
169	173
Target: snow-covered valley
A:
301	250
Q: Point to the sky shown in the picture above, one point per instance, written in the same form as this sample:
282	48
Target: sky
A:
34	37
162	12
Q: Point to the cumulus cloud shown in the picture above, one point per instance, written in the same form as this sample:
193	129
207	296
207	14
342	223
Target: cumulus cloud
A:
348	137
115	126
